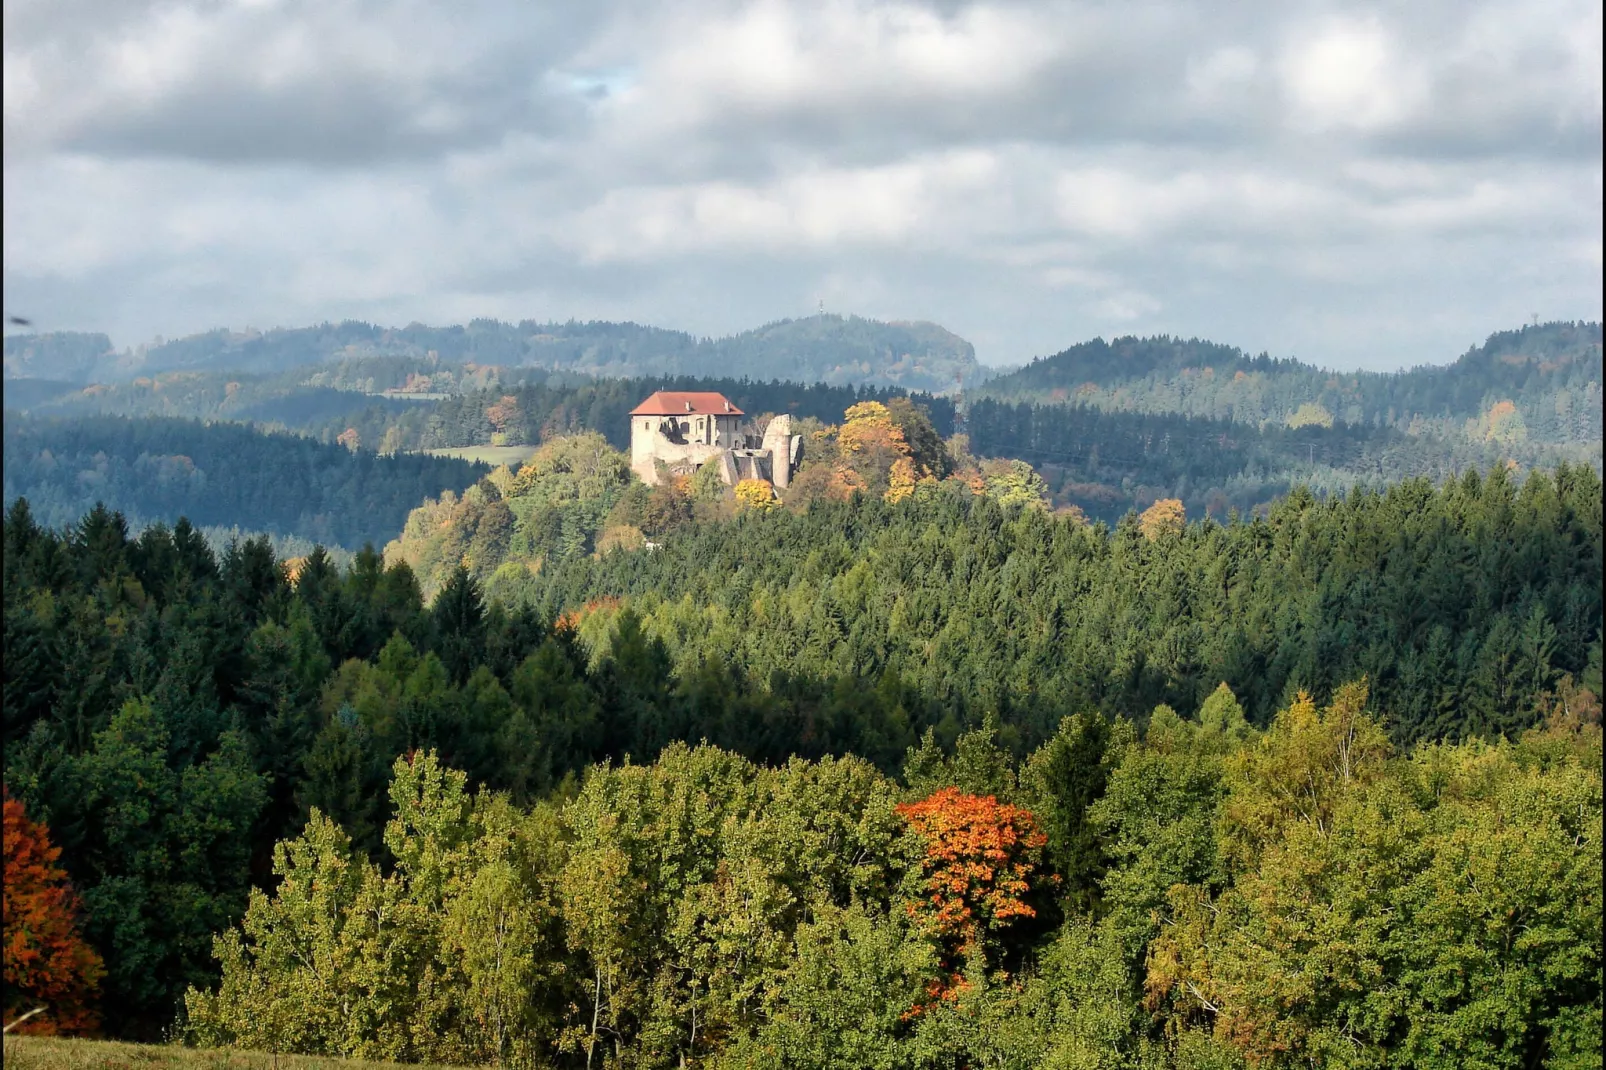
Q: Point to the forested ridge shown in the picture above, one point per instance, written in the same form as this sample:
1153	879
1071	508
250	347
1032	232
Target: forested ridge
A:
863	865
1104	462
218	474
1109	462
841	351
1459	604
1111	427
894	552
1549	374
483	403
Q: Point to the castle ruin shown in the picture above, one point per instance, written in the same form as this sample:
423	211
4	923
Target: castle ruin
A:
686	430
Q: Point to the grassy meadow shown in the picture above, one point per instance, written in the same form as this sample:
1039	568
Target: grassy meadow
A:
60	1053
491	455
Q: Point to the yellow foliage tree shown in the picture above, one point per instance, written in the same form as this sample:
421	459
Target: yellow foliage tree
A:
900	480
1164	517
868	412
1504	424
869	426
755	494
1311	414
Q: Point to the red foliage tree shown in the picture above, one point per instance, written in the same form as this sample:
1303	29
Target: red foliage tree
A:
47	963
504	412
979	861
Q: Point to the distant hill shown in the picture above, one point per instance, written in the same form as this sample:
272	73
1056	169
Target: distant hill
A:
29	393
1539	383
835	350
62	355
840	351
408	403
219	474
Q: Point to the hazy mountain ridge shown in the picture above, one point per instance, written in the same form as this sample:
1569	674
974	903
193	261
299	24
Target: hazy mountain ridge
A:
832	349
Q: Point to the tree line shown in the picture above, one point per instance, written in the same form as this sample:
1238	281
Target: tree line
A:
1200	894
1107	462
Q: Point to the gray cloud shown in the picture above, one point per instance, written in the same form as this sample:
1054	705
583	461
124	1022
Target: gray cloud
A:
1357	184
338	83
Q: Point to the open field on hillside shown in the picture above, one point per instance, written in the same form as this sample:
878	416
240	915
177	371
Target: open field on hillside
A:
58	1053
492	455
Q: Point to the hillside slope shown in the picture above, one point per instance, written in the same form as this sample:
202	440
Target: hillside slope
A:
222	474
1538	383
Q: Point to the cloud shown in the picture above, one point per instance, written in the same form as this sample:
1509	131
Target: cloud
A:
1354	183
901	204
1348	74
338	82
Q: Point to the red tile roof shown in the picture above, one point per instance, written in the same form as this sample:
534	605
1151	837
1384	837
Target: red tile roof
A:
681	402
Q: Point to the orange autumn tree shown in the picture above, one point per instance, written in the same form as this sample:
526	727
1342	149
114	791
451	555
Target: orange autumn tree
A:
1164	517
504	412
872	443
978	865
501	414
47	963
868	427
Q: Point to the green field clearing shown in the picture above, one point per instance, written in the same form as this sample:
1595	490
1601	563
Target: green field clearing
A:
57	1053
492	455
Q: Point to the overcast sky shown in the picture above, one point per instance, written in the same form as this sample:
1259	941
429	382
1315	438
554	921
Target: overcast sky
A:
1356	185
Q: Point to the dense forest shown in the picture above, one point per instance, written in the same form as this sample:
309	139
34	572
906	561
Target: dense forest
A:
837	350
1108	462
906	842
1541	382
1444	599
893	551
220	474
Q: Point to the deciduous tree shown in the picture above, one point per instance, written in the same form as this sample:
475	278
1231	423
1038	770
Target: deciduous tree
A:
981	856
47	962
1164	517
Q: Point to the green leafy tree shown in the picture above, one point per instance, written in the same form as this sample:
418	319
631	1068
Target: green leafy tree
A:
166	858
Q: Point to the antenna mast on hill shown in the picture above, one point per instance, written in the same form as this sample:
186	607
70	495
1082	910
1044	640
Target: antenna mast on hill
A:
822	306
959	401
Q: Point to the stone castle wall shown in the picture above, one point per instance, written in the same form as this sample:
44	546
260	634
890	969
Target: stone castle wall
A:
652	439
